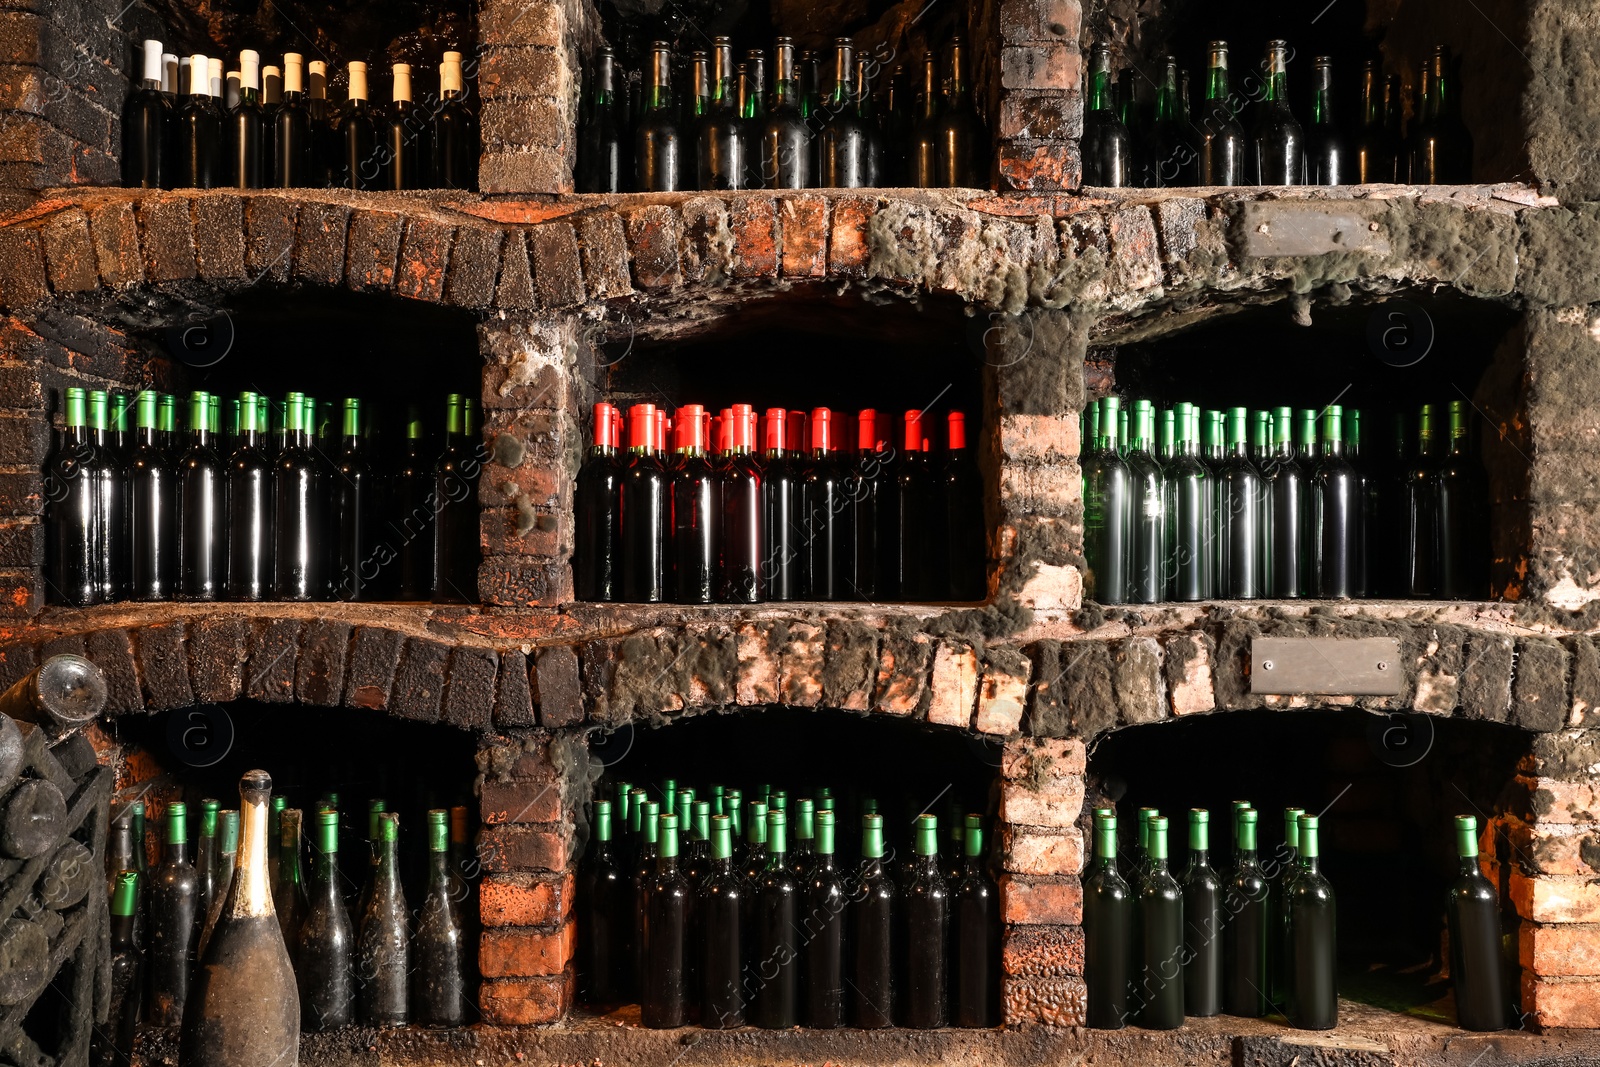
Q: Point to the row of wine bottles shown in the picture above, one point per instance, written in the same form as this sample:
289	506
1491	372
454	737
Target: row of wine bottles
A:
296	507
187	125
370	960
779	932
723	126
1241	505
1134	141
1158	949
801	516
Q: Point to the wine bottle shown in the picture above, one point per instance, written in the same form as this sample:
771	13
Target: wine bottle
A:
1202	920
960	490
872	913
454	138
787	154
1108	906
645	505
1161	922
455	488
963	159
108	480
242	1009
868	505
923	153
604	898
74	517
275	812
289	895
1222	141
665	1002
751	104
383	950
1313	996
174	899
658	140
866	111
1459	494
920	547
197	132
696	510
119	847
843	152
353	503
777	933
1325	154
644	872
376	806
1419	512
824	517
781	560
1107	506
720	902
324	947
326	163
826	897
403	152
1240	494
720	136
803	852
1472	913
152	509
358	136
753	857
202	488
1285	491
1371	160
1277	142
113	1045
205	859
602	158
249	495
411	516
1451	155
227	862
597	566
1335	498
975	936
439	944
146	118
291	129
1173	153
297	513
1282	870
242	125
927	927
1247	976
741	580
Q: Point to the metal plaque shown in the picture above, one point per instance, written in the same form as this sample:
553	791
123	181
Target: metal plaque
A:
1325	666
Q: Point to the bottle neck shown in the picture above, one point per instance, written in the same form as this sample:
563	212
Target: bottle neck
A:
1100	90
1217	81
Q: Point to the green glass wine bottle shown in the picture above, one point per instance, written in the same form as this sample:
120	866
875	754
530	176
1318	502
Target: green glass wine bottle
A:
605	914
1161	919
1246	975
112	1046
174	902
927	910
644	873
1108	905
205	858
754	858
720	905
325	949
1107	494
383	949
1284	867
1313	993
1202	920
1472	911
439	980
665	1002
825	894
289	899
227	863
802	854
872	927
975	936
777	932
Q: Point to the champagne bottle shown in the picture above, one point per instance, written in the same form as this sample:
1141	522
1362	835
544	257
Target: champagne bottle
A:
453	141
1222	140
205	858
1174	153
112	1046
1278	143
403	134
777	944
289	895
1325	155
358	136
696	509
963	160
604	897
296	511
646	505
291	129
658	147
1472	913
1335	498
1313	995
1247	976
602	157
1161	922
871	933
826	897
927	928
720	904
975	939
250	528
1282	871
665	1002
1202	921
1108	905
242	1010
383	949
174	899
1371	159
741	580
843	150
788	156
324	947
439	944
146	119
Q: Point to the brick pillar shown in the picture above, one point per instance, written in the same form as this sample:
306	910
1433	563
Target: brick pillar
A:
531	432
528	76
525	899
1041	100
1041	898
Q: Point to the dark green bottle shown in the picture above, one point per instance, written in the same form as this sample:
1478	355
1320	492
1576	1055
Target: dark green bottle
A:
1313	994
174	904
927	910
324	950
754	857
871	932
720	905
205	858
1246	974
1202	921
803	853
1222	140
383	947
1173	155
1335	498
1189	512
826	895
202	497
152	509
606	913
1420	511
249	510
1240	496
227	864
439	948
1472	912
297	553
1161	923
1108	905
777	932
113	1045
1281	871
1147	496
1277	144
665	1000
289	895
975	936
1285	479
1107	498
644	873
455	542
353	511
1327	161
1459	494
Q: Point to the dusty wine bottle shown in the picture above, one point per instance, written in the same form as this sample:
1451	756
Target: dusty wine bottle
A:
1277	143
1472	912
243	1010
113	1047
658	147
1222	140
205	857
1313	994
644	872
325	947
383	949
788	160
1107	932
975	936
665	1000
289	894
438	946
1246	977
174	902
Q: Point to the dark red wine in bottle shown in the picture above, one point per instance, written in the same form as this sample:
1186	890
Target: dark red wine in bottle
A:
826	896
870	493
604	900
243	1009
291	129
962	496
665	1002
1246	975
383	948
326	944
777	932
720	903
782	564
1108	905
297	511
358	136
174	904
1313	991
438	987
353	501
646	510
112	1044
1472	913
453	141
250	492
871	915
975	936
696	511
1161	922
404	135
146	118
197	132
753	857
72	511
455	487
597	562
659	143
824	515
1202	922
202	495
921	548
742	578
